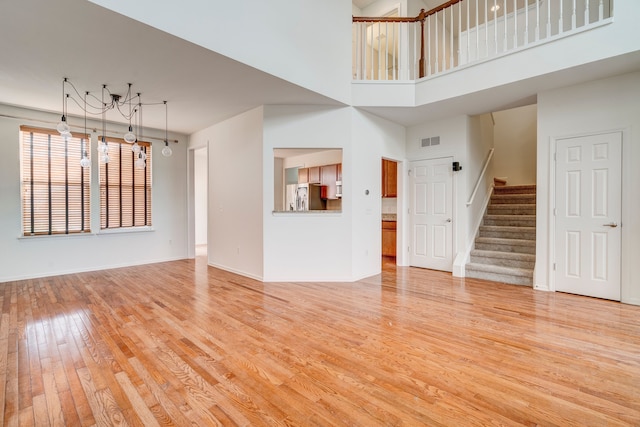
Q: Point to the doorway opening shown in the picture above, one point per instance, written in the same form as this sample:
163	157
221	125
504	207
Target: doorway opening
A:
200	185
389	210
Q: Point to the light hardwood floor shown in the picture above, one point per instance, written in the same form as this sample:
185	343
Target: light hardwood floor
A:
180	343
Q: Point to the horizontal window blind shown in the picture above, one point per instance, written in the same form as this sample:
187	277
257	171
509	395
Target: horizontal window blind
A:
55	188
125	191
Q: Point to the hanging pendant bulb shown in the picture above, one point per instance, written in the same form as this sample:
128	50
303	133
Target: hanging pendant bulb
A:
103	148
166	151
66	134
130	137
62	126
135	147
140	163
85	162
104	158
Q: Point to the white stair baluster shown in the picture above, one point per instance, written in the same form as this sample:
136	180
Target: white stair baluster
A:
444	39
495	26
561	18
486	29
451	53
548	19
573	16
537	33
428	45
437	64
526	22
515	23
504	19
586	12
601	10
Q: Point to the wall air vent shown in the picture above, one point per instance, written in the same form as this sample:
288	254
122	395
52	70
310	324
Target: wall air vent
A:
428	142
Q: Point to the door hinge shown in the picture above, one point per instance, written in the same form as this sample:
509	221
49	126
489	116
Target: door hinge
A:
409	172
554	266
408	249
409	210
555	157
555	212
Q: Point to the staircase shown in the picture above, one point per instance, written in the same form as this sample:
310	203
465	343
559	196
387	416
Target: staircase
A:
506	244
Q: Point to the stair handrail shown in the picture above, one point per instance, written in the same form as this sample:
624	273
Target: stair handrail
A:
484	169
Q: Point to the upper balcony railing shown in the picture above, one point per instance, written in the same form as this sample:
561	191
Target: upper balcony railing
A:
462	32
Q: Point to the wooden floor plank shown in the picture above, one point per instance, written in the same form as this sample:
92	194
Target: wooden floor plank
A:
181	343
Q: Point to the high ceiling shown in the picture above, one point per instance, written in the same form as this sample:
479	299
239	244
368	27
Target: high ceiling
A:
42	41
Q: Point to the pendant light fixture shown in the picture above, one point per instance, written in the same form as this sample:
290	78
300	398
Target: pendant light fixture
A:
110	101
130	136
103	148
135	147
63	126
166	151
85	162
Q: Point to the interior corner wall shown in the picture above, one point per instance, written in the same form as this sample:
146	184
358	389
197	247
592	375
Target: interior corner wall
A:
515	141
598	106
307	246
41	256
234	226
373	138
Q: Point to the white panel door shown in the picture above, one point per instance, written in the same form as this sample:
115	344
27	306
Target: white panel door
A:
431	183
588	212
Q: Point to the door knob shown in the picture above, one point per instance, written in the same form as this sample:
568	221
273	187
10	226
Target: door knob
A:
611	224
448	219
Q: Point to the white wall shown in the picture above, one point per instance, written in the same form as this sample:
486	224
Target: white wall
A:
310	48
52	255
606	105
373	138
515	142
309	246
453	133
235	193
200	195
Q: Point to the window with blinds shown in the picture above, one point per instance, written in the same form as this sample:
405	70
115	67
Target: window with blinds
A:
55	188
125	191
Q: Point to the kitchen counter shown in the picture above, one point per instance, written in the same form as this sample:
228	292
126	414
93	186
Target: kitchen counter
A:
389	217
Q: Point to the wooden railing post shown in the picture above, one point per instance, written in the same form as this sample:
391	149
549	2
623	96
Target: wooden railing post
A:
421	18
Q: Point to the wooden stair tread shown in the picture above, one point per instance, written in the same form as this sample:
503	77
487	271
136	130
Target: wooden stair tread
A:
497	269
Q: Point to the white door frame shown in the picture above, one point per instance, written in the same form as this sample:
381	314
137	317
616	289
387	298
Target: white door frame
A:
551	230
191	199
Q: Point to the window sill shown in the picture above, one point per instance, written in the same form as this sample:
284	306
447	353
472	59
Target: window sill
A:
56	236
108	231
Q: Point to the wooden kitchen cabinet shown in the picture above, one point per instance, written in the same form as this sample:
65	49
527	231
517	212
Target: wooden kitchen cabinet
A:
314	175
303	175
388	238
389	178
329	174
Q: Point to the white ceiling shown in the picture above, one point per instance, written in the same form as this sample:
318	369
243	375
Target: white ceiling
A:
43	41
361	4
